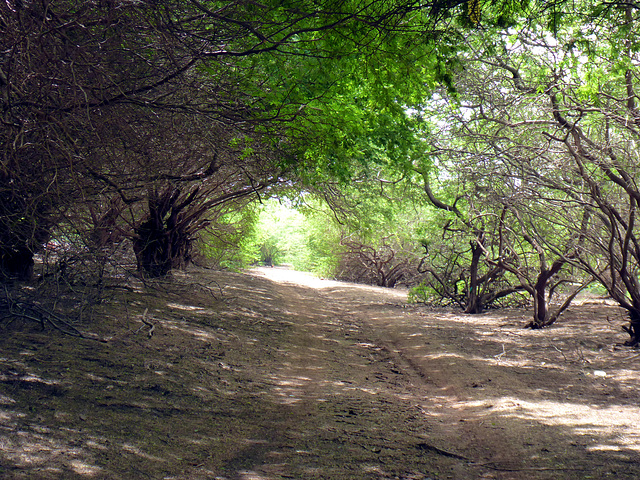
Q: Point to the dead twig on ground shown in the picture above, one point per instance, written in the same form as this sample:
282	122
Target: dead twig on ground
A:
37	313
147	323
430	448
561	352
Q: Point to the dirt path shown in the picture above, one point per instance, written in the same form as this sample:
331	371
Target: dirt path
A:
274	375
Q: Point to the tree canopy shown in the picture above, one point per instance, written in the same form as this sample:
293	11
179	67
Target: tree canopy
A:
167	111
501	135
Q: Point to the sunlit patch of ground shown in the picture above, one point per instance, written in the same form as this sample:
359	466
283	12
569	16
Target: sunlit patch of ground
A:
305	279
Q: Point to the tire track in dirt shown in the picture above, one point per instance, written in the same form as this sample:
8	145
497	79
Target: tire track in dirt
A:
352	401
496	417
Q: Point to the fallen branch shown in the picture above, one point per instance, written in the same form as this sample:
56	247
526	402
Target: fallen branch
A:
430	448
39	314
149	324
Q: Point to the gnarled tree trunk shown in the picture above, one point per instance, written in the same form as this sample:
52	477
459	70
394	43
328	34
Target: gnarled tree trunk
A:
633	329
163	241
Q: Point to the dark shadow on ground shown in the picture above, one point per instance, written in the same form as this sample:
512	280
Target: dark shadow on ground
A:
272	381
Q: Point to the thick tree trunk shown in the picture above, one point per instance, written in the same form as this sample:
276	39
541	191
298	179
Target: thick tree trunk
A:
16	264
161	247
24	228
152	250
633	329
162	241
541	314
474	299
474	305
541	317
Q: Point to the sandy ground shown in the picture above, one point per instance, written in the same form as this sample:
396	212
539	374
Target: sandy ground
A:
275	374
